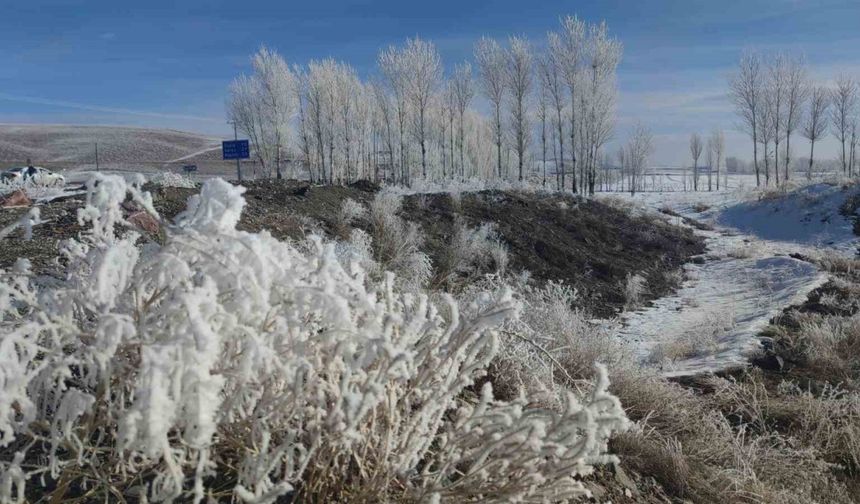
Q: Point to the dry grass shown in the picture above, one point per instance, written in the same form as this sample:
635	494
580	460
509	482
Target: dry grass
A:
634	288
698	448
700	207
745	250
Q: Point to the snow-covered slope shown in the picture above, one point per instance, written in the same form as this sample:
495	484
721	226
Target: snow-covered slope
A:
808	216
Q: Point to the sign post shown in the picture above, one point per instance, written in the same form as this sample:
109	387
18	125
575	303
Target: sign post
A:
236	149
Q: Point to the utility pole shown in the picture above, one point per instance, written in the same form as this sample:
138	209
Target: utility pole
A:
236	137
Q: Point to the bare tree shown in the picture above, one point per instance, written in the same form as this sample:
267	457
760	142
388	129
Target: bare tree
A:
843	107
491	65
745	87
776	92
853	143
815	123
766	133
716	150
696	151
519	79
635	155
797	91
569	48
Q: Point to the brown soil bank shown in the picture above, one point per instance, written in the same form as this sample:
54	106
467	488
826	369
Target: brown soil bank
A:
589	245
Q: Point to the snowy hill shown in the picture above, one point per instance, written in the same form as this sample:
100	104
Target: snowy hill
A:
72	145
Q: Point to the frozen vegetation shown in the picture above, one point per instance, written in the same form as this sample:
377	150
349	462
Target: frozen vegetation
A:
383	356
155	366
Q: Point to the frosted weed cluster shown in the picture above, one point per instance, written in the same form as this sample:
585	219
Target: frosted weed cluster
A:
229	365
170	179
471	252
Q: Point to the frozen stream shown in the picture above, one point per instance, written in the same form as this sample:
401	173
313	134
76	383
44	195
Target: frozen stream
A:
746	279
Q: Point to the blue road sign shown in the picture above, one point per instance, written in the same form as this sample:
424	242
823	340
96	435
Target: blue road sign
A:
235	149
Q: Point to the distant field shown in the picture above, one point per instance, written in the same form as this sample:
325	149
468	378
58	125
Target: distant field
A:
120	149
68	146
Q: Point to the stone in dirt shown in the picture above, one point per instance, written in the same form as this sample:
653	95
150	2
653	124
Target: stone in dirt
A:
625	480
770	362
18	198
144	221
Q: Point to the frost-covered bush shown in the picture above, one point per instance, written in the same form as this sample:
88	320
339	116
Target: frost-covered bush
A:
350	210
472	251
229	365
474	184
25	222
396	242
634	287
171	179
552	345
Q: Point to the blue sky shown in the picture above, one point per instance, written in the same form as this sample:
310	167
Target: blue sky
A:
167	64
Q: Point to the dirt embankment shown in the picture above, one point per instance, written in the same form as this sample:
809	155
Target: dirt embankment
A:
589	245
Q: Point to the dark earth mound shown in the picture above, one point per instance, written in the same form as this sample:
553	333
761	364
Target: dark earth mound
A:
589	245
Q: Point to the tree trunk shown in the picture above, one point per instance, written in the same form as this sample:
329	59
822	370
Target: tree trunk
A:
543	147
755	158
559	163
573	140
462	164
499	138
776	161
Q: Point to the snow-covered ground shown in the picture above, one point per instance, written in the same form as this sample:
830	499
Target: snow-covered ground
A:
747	276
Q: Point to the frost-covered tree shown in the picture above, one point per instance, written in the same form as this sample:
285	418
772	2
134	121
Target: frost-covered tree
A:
393	66
597	97
262	106
716	150
519	80
766	133
696	147
349	99
339	128
542	112
843	107
549	69
490	58
464	91
797	91
569	49
423	71
815	121
634	156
